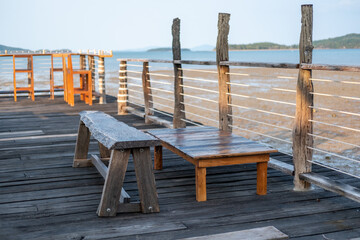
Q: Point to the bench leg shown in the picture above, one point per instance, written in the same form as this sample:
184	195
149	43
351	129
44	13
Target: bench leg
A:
145	180
158	165
104	152
261	184
82	147
113	183
200	179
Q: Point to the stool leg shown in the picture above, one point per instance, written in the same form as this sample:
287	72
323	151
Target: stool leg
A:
145	180
113	183
82	146
158	164
89	83
200	179
261	184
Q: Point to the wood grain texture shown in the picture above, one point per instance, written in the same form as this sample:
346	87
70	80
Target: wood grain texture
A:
303	126
222	54
82	144
158	162
261	178
104	152
200	182
260	64
330	67
114	134
146	180
179	108
113	183
123	96
146	85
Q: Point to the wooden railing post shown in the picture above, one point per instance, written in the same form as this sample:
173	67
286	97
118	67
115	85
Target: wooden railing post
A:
303	126
102	91
29	74
123	96
147	92
91	62
222	54
179	107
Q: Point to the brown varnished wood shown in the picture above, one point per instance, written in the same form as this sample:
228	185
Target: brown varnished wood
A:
233	160
200	181
261	179
158	164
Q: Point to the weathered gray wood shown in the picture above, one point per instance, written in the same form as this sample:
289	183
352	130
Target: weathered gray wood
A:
260	64
114	134
144	60
129	208
123	95
281	166
82	144
222	54
262	233
104	152
148	99
194	62
345	190
102	169
113	183
330	67
145	180
179	108
304	101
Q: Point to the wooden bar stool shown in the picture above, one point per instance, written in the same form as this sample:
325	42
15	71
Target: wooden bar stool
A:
85	89
30	71
58	69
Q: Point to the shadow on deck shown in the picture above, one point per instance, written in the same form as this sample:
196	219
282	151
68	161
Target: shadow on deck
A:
43	197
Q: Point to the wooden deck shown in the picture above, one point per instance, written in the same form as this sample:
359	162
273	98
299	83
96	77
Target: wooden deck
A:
43	197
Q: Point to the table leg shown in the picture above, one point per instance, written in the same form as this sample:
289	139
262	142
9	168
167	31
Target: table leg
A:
261	184
200	178
158	165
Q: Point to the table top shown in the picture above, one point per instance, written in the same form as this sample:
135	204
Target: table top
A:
209	142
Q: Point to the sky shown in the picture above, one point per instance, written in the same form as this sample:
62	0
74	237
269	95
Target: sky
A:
136	24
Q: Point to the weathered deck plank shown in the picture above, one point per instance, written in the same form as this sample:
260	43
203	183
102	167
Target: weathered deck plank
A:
42	196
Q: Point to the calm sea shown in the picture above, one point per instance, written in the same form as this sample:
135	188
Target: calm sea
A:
323	56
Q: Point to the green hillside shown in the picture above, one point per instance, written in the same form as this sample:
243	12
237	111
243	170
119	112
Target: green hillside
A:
3	48
348	41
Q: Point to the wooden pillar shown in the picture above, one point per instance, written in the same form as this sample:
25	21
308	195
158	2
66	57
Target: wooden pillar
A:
123	96
101	67
91	62
304	100
147	92
82	65
179	108
222	54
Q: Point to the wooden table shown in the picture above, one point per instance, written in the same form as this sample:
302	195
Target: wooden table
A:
210	147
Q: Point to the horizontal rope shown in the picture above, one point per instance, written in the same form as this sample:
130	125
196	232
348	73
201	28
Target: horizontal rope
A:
135	78
131	65
187	112
334	125
261	134
332	154
132	96
261	76
167	99
333	140
129	71
165	68
166	106
188	121
166	114
284	90
264	111
199	79
261	99
238	84
197	70
137	104
161	90
329	80
332	95
160	75
338	111
155	81
201	89
205	99
252	120
333	168
132	90
206	109
133	84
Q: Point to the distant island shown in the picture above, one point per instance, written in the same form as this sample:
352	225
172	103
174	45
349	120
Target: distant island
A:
165	49
348	41
3	48
13	49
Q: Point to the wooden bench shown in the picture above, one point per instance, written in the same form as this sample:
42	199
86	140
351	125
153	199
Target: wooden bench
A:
121	140
210	147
